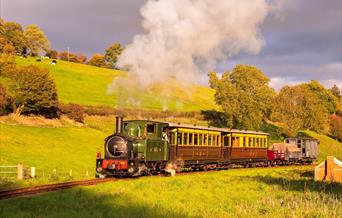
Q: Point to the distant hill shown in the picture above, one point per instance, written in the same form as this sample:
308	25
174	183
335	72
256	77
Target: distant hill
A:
88	85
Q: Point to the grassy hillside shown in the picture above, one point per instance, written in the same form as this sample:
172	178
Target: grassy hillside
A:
327	146
65	146
89	85
262	192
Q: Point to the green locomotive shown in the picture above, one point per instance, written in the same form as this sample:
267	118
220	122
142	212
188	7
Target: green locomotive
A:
142	147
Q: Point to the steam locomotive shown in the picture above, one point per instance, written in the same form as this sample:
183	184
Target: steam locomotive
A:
140	147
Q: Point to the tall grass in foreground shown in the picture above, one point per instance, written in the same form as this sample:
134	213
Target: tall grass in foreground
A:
260	192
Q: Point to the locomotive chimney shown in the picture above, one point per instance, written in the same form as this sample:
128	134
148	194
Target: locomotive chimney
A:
118	124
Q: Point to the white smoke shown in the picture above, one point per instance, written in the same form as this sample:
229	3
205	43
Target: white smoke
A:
186	37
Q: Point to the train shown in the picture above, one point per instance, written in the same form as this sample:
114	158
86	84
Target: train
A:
144	147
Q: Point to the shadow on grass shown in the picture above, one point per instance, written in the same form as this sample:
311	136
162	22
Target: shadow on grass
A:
301	185
81	202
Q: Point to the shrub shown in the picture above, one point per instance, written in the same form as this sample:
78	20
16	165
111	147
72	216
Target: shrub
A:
73	111
34	91
5	101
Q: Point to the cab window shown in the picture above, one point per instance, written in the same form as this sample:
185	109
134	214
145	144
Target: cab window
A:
151	128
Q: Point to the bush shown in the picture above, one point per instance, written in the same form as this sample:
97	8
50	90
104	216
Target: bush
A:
34	91
73	111
5	101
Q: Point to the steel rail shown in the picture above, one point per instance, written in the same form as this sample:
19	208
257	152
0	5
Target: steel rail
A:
20	192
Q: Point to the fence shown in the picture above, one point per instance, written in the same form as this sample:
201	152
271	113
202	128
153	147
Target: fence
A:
19	172
12	171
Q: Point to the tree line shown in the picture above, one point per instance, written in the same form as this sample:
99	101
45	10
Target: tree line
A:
33	41
248	102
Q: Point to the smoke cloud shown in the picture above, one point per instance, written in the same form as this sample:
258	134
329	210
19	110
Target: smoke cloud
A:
186	37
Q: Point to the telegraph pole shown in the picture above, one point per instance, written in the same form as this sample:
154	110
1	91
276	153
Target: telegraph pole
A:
68	54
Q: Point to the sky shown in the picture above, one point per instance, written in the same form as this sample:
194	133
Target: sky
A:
302	43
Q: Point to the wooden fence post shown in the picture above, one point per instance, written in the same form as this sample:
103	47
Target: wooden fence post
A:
33	172
20	171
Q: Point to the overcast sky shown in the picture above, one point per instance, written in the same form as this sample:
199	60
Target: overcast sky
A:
304	43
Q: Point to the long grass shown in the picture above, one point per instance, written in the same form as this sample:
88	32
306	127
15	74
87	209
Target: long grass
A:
262	192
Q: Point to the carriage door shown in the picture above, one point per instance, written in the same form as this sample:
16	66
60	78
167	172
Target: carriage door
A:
225	147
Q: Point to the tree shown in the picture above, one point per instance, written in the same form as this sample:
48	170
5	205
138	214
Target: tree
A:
97	60
336	92
37	41
34	91
12	33
298	108
5	101
244	96
323	95
112	53
81	58
53	54
336	126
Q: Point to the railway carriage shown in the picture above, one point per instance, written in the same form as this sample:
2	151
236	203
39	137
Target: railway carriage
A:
142	146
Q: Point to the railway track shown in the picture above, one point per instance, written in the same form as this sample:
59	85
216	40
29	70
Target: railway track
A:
20	192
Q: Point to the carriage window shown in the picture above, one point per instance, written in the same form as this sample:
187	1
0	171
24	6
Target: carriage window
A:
150	128
250	142
196	139
218	140
209	139
225	141
190	139
179	138
205	139
185	138
200	139
244	142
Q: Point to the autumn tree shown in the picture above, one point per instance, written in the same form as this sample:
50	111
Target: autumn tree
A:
336	92
336	126
97	60
112	53
37	42
323	95
34	91
298	108
53	54
244	96
12	33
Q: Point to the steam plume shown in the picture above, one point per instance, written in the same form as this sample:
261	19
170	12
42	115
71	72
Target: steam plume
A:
186	37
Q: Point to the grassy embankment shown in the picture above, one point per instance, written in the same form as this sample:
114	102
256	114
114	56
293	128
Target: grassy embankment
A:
88	85
65	146
262	192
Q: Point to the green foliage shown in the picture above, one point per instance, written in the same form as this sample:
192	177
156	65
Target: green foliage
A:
298	108
112	53
73	111
323	95
12	33
37	42
244	96
34	91
97	60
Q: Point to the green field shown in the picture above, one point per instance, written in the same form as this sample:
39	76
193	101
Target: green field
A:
64	146
89	85
260	192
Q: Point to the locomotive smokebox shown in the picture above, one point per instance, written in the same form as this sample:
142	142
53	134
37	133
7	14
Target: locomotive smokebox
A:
118	124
